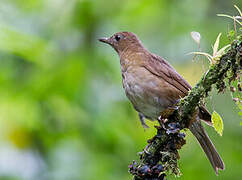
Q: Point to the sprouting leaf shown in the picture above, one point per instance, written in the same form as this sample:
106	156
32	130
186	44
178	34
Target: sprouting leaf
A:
196	37
208	56
238	10
216	44
221	51
217	123
231	17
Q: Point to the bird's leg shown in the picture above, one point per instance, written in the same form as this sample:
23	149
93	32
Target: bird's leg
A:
142	120
162	119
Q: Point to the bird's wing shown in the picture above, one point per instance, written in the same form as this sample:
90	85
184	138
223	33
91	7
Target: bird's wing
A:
159	67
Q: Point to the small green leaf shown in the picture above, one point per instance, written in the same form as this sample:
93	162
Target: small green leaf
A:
217	123
240	123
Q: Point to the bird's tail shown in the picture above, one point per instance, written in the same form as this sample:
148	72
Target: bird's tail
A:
199	132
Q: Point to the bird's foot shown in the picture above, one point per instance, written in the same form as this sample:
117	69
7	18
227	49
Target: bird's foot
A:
167	112
142	120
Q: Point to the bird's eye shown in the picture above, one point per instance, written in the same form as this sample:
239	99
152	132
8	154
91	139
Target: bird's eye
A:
117	37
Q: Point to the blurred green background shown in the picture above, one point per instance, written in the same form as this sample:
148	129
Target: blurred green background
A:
63	112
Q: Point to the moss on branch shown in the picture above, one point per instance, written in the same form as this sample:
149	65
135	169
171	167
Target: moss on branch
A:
160	156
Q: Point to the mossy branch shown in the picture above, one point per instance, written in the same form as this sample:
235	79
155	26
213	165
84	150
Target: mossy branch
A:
160	156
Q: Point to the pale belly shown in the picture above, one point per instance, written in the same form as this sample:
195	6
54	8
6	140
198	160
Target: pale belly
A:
145	93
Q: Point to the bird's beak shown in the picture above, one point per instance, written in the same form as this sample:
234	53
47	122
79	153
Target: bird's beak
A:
105	40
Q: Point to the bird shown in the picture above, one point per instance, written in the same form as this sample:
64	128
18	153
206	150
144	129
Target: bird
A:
152	85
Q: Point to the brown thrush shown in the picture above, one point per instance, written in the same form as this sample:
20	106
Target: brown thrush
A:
153	85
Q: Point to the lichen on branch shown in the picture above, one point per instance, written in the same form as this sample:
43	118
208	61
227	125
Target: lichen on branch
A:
160	156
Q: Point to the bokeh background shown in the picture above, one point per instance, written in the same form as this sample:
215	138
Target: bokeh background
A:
63	112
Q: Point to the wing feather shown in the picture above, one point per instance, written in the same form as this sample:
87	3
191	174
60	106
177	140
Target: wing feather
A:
159	67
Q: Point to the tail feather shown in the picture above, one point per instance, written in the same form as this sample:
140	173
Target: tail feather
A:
199	132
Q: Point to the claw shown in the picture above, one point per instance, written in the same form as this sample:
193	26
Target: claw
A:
142	120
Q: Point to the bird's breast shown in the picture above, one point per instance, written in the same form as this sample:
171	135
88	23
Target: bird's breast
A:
144	91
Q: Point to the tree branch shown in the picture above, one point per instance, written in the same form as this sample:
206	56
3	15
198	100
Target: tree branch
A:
160	156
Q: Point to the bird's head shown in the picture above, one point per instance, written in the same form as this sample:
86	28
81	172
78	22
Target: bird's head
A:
122	41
